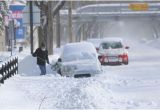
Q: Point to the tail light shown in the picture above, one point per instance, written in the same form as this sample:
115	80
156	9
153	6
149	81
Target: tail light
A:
124	56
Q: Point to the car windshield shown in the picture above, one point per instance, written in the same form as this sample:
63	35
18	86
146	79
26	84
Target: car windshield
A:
112	45
78	56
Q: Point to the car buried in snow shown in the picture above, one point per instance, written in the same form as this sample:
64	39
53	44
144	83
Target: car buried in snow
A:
112	51
79	60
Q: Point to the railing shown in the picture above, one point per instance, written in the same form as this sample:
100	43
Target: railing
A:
8	69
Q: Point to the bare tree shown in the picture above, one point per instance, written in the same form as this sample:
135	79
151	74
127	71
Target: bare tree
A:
48	10
46	28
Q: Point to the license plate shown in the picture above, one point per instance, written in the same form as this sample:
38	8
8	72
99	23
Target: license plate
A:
112	59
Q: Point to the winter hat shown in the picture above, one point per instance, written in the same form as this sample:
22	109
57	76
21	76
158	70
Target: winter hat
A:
43	45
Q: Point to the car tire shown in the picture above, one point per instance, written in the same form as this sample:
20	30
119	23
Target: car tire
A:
103	64
125	62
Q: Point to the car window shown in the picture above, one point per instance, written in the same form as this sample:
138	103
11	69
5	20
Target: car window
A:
106	45
112	45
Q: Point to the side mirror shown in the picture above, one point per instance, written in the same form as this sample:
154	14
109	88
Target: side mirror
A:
126	47
59	60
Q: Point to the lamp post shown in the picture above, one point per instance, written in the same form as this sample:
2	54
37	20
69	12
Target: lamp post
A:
16	26
31	25
11	35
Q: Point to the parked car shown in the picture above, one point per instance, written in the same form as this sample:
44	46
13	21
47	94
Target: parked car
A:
79	60
96	42
113	51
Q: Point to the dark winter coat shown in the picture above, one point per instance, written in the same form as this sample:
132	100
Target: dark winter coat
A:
42	56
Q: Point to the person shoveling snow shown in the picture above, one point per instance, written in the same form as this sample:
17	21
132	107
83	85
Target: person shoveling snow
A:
42	57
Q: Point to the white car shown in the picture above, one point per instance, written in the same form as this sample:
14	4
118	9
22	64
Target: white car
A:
113	51
79	60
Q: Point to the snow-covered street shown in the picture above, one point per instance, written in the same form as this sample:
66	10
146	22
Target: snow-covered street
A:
133	86
79	54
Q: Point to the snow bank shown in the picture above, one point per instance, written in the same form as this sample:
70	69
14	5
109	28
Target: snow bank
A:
28	66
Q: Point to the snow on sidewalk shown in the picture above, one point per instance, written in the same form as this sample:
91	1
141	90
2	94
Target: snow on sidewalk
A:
13	98
50	92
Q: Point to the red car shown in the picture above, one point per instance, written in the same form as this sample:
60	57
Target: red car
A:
112	51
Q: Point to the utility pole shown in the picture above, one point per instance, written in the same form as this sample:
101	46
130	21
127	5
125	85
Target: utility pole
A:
50	28
31	25
11	34
58	29
70	21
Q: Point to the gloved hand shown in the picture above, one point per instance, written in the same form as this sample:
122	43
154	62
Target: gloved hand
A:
48	62
32	54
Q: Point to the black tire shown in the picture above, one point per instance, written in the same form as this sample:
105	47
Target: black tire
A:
126	62
103	64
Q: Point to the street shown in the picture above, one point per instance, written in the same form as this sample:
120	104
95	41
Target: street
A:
121	86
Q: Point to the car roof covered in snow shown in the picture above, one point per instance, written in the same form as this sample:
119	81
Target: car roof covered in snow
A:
93	39
79	47
112	39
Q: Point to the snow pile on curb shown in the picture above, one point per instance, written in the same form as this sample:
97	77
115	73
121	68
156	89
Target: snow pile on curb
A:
28	66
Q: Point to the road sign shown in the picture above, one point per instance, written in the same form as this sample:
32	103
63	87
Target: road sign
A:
16	16
139	6
36	16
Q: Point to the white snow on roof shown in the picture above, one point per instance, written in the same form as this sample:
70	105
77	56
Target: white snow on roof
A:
78	47
77	50
114	39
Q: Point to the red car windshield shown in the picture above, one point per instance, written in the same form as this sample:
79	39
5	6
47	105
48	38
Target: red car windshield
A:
112	45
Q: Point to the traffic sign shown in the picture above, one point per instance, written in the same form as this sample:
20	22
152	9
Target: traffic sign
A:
139	6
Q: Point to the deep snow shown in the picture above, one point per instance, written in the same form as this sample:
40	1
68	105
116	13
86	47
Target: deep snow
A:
133	86
122	87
